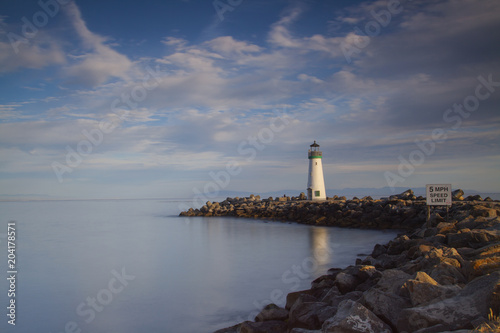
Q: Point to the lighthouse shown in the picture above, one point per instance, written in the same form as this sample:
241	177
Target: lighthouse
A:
315	182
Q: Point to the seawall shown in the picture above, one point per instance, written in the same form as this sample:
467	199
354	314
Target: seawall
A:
438	276
403	211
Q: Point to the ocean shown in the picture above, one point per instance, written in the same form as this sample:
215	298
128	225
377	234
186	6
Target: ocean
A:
134	266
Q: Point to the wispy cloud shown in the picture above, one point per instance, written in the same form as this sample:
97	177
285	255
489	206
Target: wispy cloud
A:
100	62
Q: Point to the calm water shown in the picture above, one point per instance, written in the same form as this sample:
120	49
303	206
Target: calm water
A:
133	266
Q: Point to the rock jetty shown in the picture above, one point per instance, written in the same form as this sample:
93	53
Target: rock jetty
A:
403	211
437	276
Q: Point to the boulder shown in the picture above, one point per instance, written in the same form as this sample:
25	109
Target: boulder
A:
309	315
476	197
456	312
392	280
484	266
445	228
378	250
386	261
423	289
442	254
472	238
483	211
446	274
292	297
457	195
324	281
353	317
334	300
346	282
385	305
272	312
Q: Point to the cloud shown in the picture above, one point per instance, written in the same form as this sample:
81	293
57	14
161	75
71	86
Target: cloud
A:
101	62
95	65
280	36
17	52
305	77
227	45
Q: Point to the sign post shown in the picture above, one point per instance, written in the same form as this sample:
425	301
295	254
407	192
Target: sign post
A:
438	195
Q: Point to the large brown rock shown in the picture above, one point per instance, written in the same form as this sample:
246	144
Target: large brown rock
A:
472	238
478	210
457	312
447	274
484	266
392	280
353	317
385	305
423	289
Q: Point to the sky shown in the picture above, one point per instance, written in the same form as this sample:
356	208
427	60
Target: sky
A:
178	98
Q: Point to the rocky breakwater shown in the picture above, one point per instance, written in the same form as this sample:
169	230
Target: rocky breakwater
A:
443	276
403	211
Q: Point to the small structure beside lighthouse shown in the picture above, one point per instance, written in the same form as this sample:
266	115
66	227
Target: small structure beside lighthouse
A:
316	182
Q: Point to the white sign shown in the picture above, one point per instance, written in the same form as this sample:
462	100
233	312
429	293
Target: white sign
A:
438	194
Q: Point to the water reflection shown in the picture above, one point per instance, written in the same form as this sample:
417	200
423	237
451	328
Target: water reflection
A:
320	245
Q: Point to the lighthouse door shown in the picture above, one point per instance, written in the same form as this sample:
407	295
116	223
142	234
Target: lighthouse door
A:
309	193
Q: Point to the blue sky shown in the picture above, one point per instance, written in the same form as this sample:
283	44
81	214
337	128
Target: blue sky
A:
129	99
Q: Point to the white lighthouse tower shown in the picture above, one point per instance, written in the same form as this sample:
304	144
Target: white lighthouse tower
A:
316	182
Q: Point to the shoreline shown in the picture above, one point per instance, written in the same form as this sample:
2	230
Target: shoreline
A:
437	276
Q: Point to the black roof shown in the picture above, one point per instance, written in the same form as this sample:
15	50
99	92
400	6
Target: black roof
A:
314	144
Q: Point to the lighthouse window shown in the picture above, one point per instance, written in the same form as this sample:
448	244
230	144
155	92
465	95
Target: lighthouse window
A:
316	193
316	163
